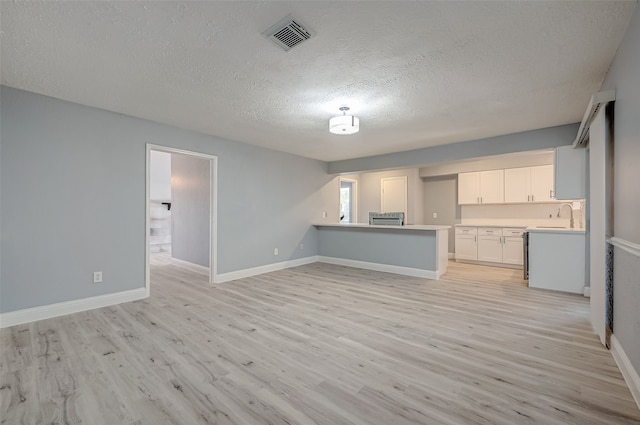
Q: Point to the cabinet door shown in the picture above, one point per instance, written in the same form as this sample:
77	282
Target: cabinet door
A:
516	185
570	173
492	187
468	188
466	247
542	183
490	248
512	250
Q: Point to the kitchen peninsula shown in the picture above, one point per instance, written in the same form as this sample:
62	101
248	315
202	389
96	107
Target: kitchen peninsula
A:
412	250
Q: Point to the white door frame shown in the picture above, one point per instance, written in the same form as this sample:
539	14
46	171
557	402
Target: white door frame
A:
354	197
213	209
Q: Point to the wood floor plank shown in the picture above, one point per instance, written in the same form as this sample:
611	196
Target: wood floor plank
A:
318	344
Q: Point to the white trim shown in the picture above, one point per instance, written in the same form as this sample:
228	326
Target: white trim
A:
213	208
630	375
407	271
587	291
197	268
452	256
241	274
354	198
625	245
27	315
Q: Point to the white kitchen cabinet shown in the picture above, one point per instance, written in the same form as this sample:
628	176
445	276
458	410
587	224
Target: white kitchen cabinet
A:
481	187
490	244
570	172
512	246
542	183
528	184
466	243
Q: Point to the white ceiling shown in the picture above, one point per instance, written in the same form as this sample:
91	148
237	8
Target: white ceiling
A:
417	74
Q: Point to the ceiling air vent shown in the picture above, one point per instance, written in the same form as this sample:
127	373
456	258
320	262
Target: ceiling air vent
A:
288	33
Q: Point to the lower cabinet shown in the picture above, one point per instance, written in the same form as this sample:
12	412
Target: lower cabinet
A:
466	243
490	244
512	246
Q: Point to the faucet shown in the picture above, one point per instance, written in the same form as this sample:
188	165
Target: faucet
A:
570	209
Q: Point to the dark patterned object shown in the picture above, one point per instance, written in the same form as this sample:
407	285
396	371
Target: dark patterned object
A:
608	326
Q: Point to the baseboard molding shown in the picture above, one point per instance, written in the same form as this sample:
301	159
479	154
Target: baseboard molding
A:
587	291
33	314
452	256
407	271
197	268
254	271
630	375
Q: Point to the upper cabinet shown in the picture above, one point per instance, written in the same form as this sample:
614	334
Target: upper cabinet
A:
570	173
528	184
481	187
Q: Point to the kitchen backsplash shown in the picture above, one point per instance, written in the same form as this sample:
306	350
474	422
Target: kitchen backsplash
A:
553	214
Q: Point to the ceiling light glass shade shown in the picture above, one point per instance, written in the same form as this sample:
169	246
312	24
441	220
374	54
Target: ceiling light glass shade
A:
344	124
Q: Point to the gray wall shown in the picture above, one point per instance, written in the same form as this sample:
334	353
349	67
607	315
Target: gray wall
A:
190	208
73	200
441	196
624	76
405	248
519	142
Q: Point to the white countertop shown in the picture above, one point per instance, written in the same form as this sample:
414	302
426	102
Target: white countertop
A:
536	229
493	225
370	226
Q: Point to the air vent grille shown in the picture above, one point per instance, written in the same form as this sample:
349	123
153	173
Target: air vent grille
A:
288	33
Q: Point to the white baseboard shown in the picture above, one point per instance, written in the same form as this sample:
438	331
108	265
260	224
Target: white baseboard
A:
587	291
452	255
254	271
407	271
33	314
630	375
197	268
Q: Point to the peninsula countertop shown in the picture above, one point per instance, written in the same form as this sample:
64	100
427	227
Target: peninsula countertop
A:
376	226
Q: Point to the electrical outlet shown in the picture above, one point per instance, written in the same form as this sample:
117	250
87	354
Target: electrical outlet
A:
324	214
434	215
97	277
275	251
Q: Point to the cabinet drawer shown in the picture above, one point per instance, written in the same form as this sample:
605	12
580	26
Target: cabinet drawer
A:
466	230
489	231
507	231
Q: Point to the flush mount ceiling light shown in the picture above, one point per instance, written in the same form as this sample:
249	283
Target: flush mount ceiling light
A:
344	124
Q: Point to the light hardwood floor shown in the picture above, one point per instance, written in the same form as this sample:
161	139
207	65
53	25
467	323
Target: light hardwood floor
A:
318	344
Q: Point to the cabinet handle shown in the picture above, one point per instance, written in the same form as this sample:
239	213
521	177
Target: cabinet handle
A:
528	198
531	198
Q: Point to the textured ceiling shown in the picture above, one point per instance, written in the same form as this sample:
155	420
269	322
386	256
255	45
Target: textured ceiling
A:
417	74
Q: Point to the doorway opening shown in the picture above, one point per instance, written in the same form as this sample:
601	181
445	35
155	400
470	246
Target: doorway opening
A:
348	201
181	209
